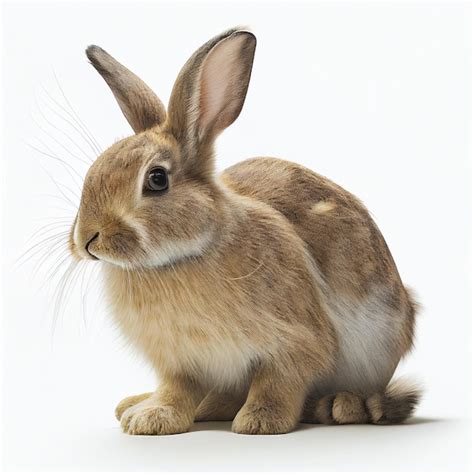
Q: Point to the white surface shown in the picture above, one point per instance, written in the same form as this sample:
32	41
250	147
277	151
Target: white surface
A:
376	97
425	445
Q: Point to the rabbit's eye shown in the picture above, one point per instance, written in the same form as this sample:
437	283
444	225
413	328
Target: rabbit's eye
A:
157	180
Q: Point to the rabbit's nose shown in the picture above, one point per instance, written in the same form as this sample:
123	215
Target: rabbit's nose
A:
89	242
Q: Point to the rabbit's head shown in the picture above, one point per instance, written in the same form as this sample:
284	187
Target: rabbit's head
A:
150	199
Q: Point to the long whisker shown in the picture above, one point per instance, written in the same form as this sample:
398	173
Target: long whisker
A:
48	228
61	254
51	124
34	247
55	218
57	185
52	137
60	198
92	281
49	253
61	292
46	254
79	121
83	299
62	162
79	128
49	243
68	121
60	259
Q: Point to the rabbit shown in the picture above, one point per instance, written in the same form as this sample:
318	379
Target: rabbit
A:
265	296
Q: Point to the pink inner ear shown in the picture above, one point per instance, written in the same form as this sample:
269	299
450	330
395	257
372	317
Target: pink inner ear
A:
220	90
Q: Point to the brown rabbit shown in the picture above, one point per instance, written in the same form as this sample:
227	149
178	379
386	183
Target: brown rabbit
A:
266	296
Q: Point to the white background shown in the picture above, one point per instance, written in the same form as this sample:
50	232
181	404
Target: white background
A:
375	96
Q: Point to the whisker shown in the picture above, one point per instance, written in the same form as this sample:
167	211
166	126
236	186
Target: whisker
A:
51	124
66	120
92	281
76	125
44	254
36	245
57	185
93	278
60	293
60	198
49	240
67	219
62	255
83	298
52	137
56	265
67	167
49	254
54	158
45	226
79	121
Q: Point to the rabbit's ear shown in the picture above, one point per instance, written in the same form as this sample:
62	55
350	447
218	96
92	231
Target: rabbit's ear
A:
211	88
138	102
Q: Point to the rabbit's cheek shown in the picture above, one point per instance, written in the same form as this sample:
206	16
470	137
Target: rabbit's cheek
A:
172	250
163	245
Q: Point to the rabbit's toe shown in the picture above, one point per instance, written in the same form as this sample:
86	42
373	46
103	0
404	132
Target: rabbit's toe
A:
153	420
128	402
261	419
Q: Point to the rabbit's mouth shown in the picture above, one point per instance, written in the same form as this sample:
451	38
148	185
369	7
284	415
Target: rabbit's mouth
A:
112	241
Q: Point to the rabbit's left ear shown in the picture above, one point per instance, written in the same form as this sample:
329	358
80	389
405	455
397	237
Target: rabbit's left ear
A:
138	102
210	90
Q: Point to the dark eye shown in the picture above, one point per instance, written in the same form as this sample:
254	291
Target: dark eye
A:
157	180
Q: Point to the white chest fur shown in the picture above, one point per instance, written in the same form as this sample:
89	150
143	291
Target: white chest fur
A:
179	331
175	344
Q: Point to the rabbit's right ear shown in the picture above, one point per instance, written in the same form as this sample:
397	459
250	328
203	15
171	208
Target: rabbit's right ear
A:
209	94
138	102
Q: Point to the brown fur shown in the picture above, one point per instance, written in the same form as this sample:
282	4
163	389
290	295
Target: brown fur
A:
345	242
138	102
252	295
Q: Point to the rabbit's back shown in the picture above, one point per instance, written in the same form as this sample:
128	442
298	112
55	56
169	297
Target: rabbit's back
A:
371	305
343	239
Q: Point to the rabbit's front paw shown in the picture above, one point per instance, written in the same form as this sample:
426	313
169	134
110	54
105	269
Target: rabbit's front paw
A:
262	419
128	402
153	420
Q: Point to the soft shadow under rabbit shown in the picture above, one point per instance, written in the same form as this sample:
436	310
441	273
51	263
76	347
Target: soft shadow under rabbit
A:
267	295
